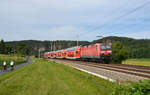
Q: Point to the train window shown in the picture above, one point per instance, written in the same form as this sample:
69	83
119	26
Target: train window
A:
103	47
106	47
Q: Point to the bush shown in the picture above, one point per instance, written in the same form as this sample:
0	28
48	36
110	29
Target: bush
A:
120	52
141	88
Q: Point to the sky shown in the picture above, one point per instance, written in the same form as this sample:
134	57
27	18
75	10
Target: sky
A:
72	19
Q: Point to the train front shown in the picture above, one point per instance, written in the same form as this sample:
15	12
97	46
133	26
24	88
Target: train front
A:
106	52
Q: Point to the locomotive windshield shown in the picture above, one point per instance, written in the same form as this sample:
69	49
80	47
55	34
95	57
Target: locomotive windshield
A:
106	47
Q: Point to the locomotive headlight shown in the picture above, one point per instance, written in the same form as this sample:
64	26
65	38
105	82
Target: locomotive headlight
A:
109	51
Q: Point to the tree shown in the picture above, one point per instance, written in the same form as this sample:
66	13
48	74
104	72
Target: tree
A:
2	47
22	49
8	49
120	52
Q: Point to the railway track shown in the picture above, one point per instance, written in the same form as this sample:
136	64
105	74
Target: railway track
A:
126	68
140	71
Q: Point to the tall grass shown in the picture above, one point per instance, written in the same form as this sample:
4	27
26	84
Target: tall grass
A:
142	62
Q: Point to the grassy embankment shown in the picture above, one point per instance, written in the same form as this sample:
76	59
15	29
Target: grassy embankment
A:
142	62
50	78
8	58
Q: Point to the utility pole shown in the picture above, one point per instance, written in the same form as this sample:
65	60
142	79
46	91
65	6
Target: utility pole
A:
39	52
51	46
77	40
54	46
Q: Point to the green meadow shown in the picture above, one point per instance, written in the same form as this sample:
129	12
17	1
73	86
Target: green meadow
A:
142	62
49	78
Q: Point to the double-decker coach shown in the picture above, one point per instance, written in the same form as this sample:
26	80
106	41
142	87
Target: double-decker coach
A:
53	54
73	53
63	53
59	54
47	55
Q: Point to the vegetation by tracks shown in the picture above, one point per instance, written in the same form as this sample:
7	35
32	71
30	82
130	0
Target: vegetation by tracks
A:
8	58
141	62
141	88
49	78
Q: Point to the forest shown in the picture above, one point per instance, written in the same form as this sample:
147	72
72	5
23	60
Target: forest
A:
137	48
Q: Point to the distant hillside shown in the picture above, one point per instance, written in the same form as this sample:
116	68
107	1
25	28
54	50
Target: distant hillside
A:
34	45
139	48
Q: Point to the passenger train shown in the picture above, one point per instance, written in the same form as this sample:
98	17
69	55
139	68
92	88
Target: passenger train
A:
96	52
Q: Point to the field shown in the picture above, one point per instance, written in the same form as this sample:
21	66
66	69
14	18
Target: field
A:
142	62
8	58
49	78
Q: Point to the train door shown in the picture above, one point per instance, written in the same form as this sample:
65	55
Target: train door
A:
77	52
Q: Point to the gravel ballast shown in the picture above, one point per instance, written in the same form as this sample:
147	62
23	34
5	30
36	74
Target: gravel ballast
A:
112	75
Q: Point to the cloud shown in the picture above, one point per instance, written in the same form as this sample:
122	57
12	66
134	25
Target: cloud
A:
62	19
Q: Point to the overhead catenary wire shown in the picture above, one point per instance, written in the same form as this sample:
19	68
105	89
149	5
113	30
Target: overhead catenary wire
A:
117	18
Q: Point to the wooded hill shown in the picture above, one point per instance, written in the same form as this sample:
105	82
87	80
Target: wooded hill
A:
34	45
139	48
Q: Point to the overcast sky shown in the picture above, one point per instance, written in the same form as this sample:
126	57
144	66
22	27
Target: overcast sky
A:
65	19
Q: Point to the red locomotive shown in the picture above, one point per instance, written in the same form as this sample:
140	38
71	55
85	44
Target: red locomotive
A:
95	52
